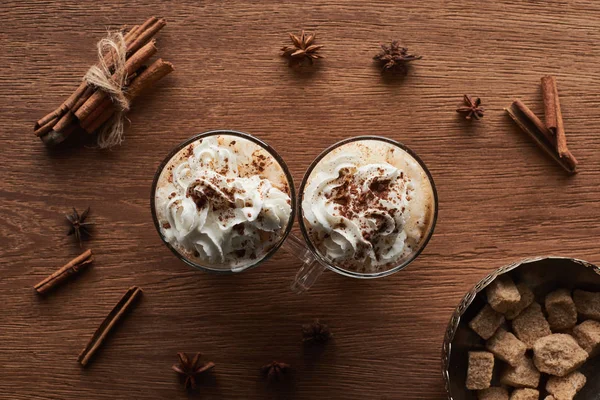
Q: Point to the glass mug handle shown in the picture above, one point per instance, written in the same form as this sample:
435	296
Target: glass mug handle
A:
311	268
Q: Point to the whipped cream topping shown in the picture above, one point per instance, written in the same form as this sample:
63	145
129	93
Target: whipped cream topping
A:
223	201
367	205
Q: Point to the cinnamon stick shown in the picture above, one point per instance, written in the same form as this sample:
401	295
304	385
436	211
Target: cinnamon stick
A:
151	28
108	324
105	110
142	28
68	118
47	127
156	71
553	114
65	121
129	37
130	33
138	29
62	109
99	110
69	104
103	115
133	63
150	21
56	126
73	267
531	124
106	104
535	120
550	111
90	98
53	115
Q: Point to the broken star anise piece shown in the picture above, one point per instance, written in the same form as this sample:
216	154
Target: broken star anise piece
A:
303	49
79	227
275	371
316	332
191	369
472	108
394	58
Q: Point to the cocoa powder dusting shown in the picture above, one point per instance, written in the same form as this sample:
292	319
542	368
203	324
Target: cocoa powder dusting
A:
380	186
351	199
239	228
240	253
189	151
203	193
259	162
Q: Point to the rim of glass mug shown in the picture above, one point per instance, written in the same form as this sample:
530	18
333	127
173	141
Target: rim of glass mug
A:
260	143
328	264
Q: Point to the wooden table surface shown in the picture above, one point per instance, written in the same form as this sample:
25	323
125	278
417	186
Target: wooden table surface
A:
500	197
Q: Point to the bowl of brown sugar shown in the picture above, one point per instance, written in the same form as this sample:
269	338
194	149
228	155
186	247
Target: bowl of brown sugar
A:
529	330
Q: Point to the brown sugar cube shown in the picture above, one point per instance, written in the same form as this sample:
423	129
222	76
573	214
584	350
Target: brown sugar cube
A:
502	294
481	368
587	303
527	298
493	393
587	335
558	354
567	387
549	398
486	322
562	314
522	375
506	347
525	394
531	325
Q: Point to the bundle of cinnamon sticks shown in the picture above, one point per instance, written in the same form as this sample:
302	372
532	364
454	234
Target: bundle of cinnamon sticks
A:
88	108
550	136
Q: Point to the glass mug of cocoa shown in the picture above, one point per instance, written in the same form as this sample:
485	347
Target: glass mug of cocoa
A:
223	201
367	209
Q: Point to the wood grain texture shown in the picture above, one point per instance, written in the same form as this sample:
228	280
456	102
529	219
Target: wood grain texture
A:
501	198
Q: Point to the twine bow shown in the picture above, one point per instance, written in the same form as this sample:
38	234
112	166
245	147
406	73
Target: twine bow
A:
110	76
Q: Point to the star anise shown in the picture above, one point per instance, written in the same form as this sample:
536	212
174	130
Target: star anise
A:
79	227
472	108
303	49
191	369
275	371
394	58
316	332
